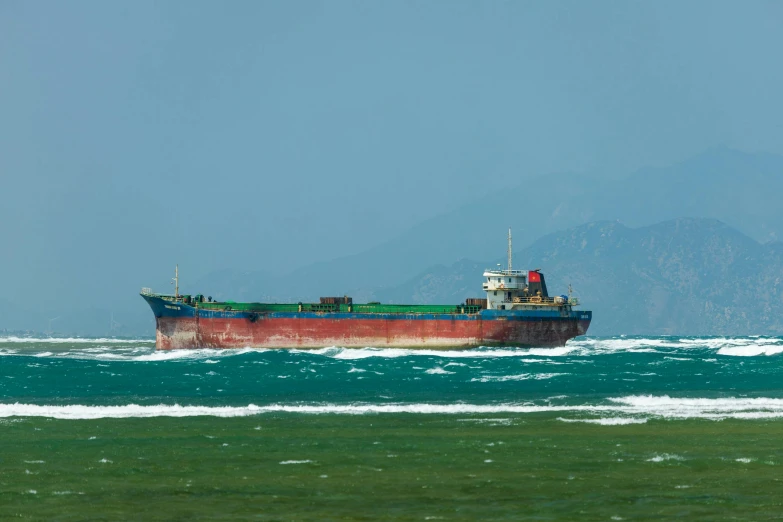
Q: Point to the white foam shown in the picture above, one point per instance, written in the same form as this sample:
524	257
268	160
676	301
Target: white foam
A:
505	422
609	421
72	340
751	350
208	354
716	409
520	377
480	353
176	410
642	406
438	371
296	462
579	347
752	345
663	457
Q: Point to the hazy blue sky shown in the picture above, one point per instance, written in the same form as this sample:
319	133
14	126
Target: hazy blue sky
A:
269	134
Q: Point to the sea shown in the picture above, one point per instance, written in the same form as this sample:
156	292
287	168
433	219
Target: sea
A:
604	428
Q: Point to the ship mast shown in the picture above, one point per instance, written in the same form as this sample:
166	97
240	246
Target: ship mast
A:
509	250
176	280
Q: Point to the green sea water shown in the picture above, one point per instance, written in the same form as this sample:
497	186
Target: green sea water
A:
603	429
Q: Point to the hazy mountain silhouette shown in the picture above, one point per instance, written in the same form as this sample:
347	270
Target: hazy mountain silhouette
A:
679	277
737	188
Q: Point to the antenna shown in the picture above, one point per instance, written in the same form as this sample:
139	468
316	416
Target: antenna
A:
509	249
175	281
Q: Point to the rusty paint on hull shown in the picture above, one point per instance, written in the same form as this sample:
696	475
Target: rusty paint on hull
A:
180	332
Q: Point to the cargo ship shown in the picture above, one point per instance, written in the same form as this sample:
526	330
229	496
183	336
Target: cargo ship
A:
516	312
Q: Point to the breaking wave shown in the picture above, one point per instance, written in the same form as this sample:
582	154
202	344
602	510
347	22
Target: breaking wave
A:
73	340
143	349
336	352
617	411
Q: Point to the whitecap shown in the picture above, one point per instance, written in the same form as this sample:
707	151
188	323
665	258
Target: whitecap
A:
663	457
520	377
608	421
482	353
73	340
438	371
631	406
751	350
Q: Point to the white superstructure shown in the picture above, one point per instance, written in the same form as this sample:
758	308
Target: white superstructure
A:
502	286
512	289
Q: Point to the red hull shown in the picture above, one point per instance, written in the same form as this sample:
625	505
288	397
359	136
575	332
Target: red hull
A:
300	332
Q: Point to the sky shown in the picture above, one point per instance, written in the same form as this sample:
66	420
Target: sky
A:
268	135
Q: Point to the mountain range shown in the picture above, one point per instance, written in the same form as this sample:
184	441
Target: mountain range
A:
723	189
680	277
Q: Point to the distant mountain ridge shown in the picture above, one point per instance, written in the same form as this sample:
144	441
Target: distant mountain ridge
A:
738	188
681	277
687	276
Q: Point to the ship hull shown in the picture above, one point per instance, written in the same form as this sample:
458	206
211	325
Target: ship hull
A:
183	326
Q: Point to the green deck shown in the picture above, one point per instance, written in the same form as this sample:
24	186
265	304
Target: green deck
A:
353	308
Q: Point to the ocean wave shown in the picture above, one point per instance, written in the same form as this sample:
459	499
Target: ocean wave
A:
751	350
207	354
520	377
700	408
751	345
336	352
438	371
630	407
135	354
74	340
608	421
664	457
576	350
176	410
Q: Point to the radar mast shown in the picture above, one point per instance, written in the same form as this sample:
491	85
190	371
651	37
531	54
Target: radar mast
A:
509	250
